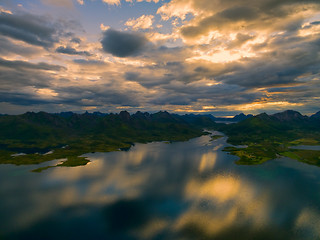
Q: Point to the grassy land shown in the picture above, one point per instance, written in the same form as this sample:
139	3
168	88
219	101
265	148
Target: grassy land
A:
260	153
305	141
255	153
269	137
306	156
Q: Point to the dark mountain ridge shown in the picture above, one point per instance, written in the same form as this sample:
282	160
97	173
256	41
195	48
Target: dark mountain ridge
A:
284	125
41	128
290	115
316	115
91	132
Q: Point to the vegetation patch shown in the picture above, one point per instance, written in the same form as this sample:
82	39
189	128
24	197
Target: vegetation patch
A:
305	141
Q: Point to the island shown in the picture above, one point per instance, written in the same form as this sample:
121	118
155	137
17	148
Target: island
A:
267	137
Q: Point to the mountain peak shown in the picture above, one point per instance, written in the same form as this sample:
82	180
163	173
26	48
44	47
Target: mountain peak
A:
263	115
289	115
316	115
124	115
241	117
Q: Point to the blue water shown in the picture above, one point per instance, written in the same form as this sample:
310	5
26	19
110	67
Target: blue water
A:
307	147
183	190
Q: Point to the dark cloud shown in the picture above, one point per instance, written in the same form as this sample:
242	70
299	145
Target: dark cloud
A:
97	95
22	83
190	94
173	64
131	76
27	65
20	76
273	5
293	89
76	40
172	99
37	30
238	13
123	44
29	28
8	47
147	81
72	51
22	99
76	96
248	15
11	78
290	58
231	16
88	62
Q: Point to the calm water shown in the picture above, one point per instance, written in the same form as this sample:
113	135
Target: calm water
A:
305	147
186	190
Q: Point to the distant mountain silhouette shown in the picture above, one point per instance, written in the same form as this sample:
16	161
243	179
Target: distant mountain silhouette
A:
241	117
290	115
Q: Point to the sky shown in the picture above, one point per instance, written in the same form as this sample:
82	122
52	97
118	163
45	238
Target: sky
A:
219	57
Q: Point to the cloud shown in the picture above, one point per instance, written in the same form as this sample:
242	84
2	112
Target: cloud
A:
210	55
112	2
8	47
23	83
26	65
123	44
104	27
240	40
235	17
76	40
143	22
81	2
176	8
289	59
72	51
88	62
3	10
59	3
23	79
118	2
22	98
224	16
35	30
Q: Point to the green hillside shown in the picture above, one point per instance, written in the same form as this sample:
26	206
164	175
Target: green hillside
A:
71	135
270	136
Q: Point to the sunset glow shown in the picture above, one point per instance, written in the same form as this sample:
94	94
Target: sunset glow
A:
185	55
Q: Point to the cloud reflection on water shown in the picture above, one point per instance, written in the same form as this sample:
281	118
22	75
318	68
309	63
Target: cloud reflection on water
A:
189	190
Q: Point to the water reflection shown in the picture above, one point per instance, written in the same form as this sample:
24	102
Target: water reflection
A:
207	161
220	188
189	190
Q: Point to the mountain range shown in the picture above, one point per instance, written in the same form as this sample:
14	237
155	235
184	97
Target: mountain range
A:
91	132
284	125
